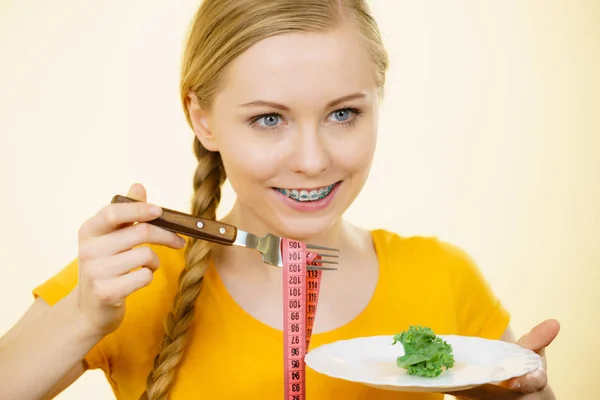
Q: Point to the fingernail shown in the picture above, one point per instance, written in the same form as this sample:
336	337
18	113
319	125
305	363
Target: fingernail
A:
516	385
181	240
155	210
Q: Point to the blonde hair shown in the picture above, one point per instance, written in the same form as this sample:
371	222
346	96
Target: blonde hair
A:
222	30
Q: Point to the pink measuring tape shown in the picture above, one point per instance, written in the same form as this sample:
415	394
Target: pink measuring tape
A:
300	296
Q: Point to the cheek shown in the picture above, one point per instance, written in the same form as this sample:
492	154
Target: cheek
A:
247	164
355	155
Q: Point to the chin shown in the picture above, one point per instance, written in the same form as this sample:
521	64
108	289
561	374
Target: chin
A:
303	229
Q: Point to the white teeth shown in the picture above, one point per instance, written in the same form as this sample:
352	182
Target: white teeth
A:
305	195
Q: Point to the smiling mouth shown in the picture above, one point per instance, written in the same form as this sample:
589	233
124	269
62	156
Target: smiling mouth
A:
304	195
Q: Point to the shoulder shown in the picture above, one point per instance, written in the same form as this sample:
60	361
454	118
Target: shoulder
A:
427	256
446	273
427	248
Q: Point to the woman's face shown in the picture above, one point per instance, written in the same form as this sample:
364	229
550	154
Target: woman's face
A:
295	122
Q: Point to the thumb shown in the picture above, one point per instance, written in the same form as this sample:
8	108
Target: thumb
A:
137	192
537	339
540	336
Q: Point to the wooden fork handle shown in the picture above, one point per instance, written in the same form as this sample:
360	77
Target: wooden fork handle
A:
189	225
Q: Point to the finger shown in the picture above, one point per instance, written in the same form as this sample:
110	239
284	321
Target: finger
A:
114	291
127	238
123	263
113	215
136	235
537	339
532	382
540	335
136	192
131	282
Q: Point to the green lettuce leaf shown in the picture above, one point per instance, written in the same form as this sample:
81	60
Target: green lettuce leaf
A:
425	354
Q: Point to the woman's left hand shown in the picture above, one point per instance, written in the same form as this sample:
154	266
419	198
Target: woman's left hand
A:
532	386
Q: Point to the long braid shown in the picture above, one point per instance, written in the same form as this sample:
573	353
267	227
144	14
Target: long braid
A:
208	180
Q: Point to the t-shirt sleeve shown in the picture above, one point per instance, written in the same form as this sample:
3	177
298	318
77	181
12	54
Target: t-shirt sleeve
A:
478	311
56	288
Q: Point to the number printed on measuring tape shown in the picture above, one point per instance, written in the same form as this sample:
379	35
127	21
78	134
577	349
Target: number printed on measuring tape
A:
301	294
313	279
294	280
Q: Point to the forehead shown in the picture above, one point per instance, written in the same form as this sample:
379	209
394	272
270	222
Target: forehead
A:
300	68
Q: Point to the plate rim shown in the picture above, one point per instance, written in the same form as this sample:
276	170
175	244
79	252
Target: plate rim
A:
536	362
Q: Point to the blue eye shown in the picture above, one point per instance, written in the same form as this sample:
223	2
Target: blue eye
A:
269	120
342	115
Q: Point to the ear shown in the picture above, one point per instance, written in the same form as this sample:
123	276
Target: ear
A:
199	119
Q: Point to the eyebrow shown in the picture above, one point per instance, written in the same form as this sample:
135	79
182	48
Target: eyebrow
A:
258	103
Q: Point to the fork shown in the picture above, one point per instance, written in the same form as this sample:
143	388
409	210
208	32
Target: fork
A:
268	246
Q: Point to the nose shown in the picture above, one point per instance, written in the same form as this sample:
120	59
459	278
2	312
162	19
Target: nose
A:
309	154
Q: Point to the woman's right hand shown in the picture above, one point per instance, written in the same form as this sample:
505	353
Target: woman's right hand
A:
110	268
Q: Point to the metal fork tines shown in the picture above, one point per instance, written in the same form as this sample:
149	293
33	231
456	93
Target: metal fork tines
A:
270	248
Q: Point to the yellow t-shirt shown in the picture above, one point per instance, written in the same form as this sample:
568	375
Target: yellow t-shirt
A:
231	355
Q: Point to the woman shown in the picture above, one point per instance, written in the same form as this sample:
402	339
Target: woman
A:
282	96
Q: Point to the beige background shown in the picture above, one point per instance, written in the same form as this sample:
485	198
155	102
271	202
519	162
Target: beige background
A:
489	138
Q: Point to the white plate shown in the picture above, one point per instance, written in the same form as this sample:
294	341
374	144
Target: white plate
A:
372	361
